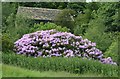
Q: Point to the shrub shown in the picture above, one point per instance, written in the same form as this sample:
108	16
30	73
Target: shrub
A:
112	51
48	26
96	33
50	43
22	25
7	9
80	30
7	43
66	19
16	26
73	65
81	22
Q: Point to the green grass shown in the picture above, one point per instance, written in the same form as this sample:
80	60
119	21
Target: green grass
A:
72	65
0	71
11	71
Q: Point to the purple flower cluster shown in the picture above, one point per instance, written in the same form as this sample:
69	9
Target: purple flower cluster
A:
108	61
50	43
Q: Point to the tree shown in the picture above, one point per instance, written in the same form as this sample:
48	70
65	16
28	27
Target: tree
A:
95	33
110	11
53	5
8	9
66	19
81	22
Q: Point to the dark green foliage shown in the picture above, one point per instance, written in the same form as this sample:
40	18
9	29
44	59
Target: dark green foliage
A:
97	22
54	5
66	19
95	33
22	25
8	9
8	18
103	24
73	65
112	51
48	26
7	43
13	26
116	22
84	17
77	6
110	13
16	26
92	6
81	22
8	24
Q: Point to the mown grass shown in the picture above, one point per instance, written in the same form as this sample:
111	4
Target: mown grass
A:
12	71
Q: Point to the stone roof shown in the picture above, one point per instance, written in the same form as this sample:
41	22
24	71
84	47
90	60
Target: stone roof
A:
39	13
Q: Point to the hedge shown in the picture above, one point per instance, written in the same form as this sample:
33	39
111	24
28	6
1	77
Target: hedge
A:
72	65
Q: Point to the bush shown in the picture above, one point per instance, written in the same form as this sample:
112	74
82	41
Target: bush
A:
7	43
73	65
112	51
66	19
48	26
80	30
81	22
96	32
22	25
16	26
50	43
7	9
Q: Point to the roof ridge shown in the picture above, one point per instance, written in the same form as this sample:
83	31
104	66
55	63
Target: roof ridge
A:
39	13
38	8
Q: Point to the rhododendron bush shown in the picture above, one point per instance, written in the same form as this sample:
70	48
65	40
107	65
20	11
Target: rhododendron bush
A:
51	43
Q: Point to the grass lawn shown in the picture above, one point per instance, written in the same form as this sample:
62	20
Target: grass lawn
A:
11	71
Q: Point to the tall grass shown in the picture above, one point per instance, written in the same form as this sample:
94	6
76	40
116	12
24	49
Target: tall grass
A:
72	65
